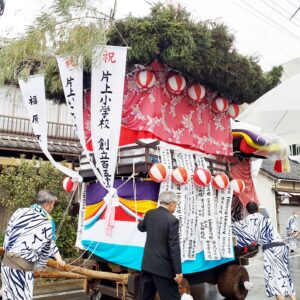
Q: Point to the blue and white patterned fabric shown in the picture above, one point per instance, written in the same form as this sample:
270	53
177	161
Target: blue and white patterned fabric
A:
29	234
257	228
291	229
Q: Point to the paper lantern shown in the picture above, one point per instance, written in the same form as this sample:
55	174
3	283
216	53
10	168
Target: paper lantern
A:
196	92
233	110
219	105
145	80
176	84
220	181
69	185
237	185
158	172
180	175
202	177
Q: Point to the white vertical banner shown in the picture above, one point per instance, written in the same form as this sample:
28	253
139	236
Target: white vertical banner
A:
81	215
224	222
34	99
71	75
207	221
108	73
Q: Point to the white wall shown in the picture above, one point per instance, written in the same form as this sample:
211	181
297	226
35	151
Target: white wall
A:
266	195
11	105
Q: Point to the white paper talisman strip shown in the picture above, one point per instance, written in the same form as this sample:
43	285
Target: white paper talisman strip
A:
207	222
191	207
224	223
81	215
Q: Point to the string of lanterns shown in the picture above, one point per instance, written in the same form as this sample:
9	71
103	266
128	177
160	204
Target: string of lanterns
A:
202	177
176	84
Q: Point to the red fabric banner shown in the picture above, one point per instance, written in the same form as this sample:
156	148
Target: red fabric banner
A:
175	118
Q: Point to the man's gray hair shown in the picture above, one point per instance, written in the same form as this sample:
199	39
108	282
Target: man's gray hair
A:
44	196
168	197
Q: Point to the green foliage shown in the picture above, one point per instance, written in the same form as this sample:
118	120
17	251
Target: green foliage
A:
203	51
2	235
22	182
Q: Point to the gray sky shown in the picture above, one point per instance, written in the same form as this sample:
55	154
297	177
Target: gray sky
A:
261	27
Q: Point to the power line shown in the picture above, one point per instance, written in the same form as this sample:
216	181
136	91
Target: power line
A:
270	22
279	12
295	13
246	26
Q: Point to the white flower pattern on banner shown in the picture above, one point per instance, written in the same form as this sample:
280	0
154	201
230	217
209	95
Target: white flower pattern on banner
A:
187	121
136	111
152	122
175	118
176	100
177	135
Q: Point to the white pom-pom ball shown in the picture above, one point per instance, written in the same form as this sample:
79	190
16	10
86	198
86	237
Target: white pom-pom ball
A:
220	181
196	92
180	175
219	105
237	185
145	80
158	172
176	84
233	110
202	177
69	184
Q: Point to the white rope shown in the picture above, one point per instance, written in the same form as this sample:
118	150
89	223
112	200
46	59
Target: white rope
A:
66	211
134	194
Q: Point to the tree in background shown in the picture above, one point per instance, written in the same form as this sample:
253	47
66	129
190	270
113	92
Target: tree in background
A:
23	181
202	51
71	27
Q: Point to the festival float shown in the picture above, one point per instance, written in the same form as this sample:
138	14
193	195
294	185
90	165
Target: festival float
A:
164	132
174	135
151	126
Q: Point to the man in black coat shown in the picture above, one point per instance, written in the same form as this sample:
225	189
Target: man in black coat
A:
161	267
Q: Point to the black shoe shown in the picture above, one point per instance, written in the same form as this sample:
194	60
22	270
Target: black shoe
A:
292	251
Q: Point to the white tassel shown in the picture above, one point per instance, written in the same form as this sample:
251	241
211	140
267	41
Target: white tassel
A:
248	285
186	297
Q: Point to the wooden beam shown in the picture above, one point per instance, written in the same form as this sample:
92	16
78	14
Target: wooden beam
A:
89	273
123	278
58	274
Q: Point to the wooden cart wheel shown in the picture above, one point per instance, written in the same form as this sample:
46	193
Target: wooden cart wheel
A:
231	282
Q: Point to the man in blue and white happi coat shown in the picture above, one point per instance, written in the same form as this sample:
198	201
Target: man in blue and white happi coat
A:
292	231
28	243
257	228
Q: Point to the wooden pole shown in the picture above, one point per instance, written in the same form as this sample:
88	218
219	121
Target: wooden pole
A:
89	273
83	271
58	274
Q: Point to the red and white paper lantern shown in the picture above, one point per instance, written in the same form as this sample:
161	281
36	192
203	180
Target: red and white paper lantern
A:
69	184
220	181
196	92
176	84
158	172
202	177
237	185
233	110
145	80
180	175
219	105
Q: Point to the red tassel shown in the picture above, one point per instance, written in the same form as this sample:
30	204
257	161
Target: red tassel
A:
278	166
